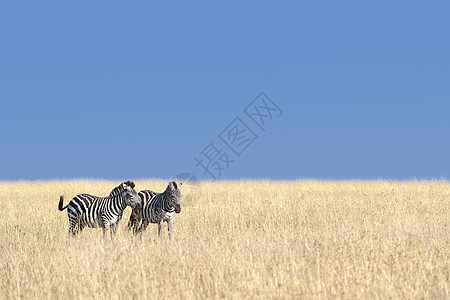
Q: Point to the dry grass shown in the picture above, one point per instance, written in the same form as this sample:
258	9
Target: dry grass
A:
304	239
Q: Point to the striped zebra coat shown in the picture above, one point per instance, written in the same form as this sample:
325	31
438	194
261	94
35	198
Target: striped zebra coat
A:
136	215
106	212
157	208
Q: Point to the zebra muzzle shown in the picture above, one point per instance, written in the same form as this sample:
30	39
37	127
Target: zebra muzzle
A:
178	208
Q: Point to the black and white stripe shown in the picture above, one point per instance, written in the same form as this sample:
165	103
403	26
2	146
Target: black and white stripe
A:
160	208
136	215
106	212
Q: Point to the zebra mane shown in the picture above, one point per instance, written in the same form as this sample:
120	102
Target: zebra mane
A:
172	186
130	183
117	190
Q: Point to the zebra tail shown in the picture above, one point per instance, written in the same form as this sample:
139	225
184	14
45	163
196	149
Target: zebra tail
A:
60	205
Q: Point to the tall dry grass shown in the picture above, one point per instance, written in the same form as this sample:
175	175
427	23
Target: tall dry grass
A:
243	239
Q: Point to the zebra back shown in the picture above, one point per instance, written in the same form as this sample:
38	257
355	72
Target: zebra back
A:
119	189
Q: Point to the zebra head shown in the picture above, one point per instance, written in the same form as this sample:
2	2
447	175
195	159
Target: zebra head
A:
174	195
131	196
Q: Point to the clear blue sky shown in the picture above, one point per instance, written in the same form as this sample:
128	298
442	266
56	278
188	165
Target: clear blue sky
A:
102	89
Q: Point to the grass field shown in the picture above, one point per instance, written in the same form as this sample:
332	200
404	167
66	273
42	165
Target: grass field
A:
243	239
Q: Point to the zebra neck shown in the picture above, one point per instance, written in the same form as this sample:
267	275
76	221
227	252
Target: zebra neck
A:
121	201
166	205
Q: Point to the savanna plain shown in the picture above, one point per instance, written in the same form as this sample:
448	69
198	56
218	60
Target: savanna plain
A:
235	239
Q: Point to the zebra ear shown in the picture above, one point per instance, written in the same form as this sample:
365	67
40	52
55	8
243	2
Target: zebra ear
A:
173	185
180	185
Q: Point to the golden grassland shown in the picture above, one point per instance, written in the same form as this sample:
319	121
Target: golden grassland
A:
242	239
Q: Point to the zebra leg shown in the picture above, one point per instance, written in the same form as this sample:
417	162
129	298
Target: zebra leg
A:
106	227
114	227
160	226
81	226
170	226
72	230
133	224
143	226
137	220
73	220
136	228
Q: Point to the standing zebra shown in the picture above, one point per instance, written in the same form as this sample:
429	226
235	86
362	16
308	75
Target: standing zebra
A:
159	208
96	211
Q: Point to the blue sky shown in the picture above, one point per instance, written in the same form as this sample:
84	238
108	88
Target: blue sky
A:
137	90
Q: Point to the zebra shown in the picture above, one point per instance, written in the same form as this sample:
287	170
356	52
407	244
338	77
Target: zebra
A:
158	208
96	211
